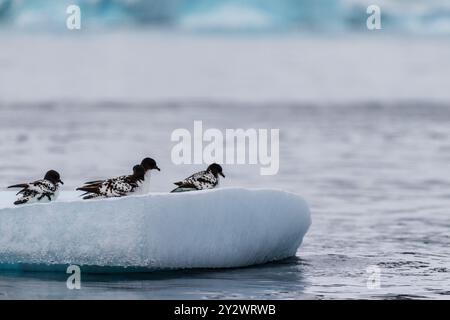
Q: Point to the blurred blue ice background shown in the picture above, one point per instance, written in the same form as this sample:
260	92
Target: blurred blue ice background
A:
403	16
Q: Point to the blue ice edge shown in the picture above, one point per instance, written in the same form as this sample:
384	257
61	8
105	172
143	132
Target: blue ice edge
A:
221	228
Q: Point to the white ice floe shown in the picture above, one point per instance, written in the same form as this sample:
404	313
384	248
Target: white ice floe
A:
230	227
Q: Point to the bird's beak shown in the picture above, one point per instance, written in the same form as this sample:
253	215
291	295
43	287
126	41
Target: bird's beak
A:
222	174
158	169
61	182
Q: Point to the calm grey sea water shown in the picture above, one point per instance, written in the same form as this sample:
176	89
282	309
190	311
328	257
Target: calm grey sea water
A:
375	176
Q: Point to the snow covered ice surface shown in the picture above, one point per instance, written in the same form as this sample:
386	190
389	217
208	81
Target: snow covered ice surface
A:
231	227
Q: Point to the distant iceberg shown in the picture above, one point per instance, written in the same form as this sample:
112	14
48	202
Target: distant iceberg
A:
229	227
412	16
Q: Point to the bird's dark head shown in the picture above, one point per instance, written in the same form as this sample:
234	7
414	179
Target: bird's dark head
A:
149	164
138	172
53	176
215	169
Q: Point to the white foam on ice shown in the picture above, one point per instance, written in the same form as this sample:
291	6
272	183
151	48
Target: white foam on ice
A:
230	227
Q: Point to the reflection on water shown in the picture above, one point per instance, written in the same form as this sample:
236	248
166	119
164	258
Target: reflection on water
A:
271	281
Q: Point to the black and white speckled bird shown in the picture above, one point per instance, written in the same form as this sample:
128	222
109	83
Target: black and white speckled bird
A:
44	190
202	180
115	187
143	185
149	164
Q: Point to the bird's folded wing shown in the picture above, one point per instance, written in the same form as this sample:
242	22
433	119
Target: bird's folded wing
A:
21	185
42	186
94	182
206	179
123	186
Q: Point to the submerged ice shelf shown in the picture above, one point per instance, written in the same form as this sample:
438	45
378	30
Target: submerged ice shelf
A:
230	227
